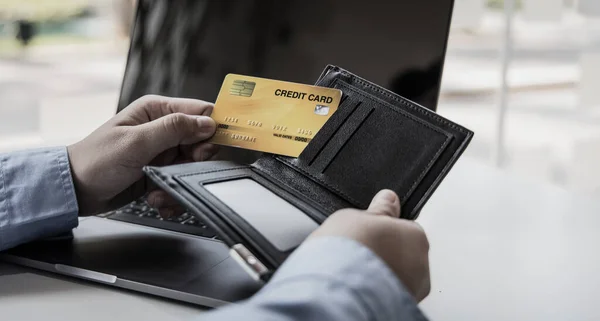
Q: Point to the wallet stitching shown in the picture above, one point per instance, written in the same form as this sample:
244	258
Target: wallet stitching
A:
333	188
213	171
216	179
427	113
409	116
337	129
291	188
405	103
337	152
391	107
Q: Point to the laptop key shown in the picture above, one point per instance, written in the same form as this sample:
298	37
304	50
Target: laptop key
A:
181	218
184	223
192	221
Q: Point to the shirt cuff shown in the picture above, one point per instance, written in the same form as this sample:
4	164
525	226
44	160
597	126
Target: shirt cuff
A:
347	263
37	195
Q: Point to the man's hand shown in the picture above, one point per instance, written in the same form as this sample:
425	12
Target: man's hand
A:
153	130
402	244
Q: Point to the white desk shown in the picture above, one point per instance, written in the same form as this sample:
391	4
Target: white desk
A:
501	249
27	294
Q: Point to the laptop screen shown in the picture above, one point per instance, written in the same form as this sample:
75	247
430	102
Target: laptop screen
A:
186	47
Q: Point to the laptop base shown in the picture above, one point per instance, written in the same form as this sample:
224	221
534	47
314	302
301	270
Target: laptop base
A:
169	264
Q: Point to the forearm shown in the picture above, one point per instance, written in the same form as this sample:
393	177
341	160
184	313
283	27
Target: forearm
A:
37	197
328	279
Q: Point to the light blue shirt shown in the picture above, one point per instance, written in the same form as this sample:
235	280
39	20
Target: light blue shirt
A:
324	279
37	197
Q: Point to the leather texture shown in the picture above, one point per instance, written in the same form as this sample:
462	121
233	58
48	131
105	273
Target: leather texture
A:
375	140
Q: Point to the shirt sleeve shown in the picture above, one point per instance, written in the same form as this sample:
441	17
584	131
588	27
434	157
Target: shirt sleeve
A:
37	197
328	279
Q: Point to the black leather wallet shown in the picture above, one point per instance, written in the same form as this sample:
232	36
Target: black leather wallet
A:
376	139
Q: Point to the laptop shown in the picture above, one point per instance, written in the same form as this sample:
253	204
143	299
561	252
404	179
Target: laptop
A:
185	49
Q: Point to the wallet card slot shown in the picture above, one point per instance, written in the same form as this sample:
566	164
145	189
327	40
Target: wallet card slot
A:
343	99
296	182
378	146
328	131
458	142
335	133
341	138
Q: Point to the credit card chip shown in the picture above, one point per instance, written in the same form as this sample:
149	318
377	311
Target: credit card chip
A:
242	88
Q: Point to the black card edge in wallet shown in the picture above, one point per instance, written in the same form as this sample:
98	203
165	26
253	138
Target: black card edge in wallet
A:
393	142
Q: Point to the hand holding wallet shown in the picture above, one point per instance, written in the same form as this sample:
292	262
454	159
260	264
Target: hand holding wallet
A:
375	140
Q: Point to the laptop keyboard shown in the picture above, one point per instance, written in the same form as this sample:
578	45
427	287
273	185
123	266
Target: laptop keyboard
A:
139	212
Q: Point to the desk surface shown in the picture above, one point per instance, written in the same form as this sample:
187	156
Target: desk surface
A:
502	248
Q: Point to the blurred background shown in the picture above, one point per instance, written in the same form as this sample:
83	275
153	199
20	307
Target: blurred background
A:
62	65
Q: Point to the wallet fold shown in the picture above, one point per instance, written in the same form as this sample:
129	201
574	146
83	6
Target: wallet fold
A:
376	139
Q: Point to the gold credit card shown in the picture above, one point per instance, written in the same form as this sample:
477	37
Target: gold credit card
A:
269	115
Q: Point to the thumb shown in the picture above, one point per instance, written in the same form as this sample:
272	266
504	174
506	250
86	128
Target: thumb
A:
177	129
386	202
